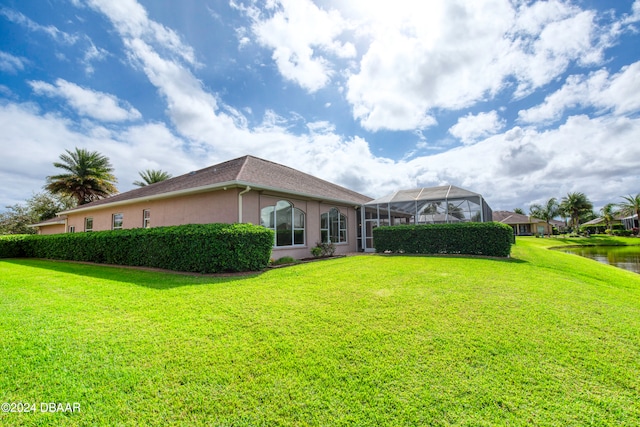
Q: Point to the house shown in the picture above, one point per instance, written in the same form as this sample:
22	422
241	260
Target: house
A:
300	208
522	225
599	225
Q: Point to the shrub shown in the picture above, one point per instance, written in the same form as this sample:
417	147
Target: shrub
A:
285	260
12	245
490	239
322	249
203	248
600	229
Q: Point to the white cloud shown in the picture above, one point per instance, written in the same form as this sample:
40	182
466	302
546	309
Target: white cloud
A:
452	54
470	128
52	31
635	14
94	104
303	38
619	93
593	155
503	167
131	20
439	59
43	137
91	54
11	64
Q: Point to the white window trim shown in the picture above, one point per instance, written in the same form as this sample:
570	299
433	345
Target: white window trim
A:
113	221
328	230
146	220
293	227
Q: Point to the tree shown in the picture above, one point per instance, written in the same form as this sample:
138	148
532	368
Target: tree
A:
39	207
89	176
151	176
549	211
608	212
630	206
519	211
574	205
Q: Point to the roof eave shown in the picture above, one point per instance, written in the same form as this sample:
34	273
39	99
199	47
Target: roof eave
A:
45	224
212	187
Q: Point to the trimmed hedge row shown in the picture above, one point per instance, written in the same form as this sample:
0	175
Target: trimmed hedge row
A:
201	248
471	238
12	246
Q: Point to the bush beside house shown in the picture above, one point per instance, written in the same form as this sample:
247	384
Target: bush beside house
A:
489	239
202	248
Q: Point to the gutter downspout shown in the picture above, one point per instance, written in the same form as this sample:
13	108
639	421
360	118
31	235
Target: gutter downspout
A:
246	190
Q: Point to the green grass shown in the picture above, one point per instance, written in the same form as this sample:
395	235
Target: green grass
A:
544	339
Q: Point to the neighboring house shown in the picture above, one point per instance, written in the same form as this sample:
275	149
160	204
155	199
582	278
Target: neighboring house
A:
630	222
600	224
300	208
522	225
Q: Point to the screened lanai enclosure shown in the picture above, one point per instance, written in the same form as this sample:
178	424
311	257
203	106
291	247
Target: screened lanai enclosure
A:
434	205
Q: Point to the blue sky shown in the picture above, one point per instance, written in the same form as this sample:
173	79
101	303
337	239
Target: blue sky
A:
517	100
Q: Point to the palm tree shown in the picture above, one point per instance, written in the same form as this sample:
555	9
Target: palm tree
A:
549	211
518	211
608	212
574	205
151	176
631	206
89	176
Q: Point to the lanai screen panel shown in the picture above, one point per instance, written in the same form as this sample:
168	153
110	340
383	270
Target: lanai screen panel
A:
434	205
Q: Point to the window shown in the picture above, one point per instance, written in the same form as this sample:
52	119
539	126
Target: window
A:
72	229
88	224
286	221
333	227
146	218
117	221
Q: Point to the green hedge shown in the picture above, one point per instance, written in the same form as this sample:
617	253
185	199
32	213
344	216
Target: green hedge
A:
600	228
471	238
202	248
12	246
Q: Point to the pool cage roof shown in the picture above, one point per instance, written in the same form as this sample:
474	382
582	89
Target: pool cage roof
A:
432	205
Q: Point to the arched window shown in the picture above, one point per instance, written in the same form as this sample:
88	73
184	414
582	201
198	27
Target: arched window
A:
333	227
286	221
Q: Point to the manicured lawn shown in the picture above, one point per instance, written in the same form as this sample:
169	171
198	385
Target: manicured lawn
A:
544	339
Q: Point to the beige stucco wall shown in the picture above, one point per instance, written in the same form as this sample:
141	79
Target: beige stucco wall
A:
222	206
203	208
52	229
313	209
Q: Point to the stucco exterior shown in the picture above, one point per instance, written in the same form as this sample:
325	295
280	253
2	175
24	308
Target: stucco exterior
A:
52	229
221	205
203	208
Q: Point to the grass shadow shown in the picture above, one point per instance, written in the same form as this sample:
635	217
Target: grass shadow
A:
509	260
141	276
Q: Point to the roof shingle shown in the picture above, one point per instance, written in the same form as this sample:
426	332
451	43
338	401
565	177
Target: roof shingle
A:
247	170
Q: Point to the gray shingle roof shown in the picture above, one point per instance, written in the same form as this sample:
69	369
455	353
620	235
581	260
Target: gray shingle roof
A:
508	217
52	221
248	170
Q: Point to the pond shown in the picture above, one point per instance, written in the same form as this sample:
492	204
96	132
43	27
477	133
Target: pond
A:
627	257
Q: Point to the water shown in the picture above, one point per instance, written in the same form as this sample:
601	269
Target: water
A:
626	257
